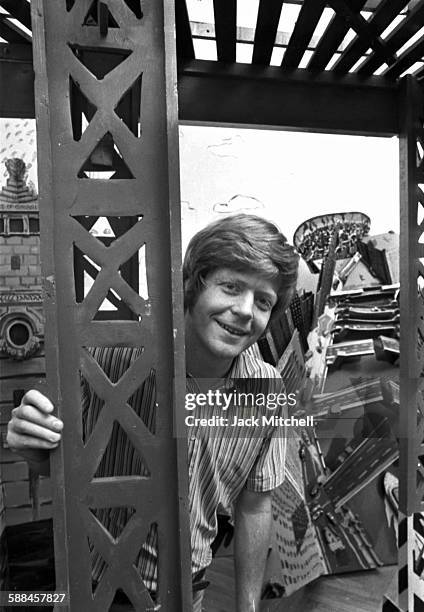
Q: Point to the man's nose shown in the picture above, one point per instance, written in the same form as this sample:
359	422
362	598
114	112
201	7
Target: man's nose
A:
243	305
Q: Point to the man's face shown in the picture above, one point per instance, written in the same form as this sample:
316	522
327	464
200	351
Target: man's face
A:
230	314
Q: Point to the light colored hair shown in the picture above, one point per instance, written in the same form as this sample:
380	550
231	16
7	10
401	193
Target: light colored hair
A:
242	242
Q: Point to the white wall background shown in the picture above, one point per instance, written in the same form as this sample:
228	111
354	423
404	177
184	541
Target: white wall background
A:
287	177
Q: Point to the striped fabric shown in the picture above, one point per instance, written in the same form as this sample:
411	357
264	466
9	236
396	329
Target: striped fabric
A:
220	466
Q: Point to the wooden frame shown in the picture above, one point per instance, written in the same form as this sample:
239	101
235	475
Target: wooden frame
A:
149	194
274	97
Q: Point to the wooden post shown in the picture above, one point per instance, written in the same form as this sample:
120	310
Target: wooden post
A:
145	188
411	461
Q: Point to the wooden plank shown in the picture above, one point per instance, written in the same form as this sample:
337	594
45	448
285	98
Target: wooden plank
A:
411	108
19	9
10	33
225	12
306	23
383	17
245	35
332	38
17	78
301	100
266	30
370	5
363	29
406	60
185	48
400	35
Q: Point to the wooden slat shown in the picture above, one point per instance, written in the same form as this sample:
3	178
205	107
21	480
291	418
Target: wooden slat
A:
266	29
404	32
419	75
225	12
363	29
412	55
382	18
9	33
19	9
185	48
306	23
332	38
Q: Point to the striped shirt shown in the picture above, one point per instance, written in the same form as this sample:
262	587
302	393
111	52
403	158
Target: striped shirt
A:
220	465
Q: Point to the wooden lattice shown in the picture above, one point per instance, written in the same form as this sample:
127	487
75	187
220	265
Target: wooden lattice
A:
106	104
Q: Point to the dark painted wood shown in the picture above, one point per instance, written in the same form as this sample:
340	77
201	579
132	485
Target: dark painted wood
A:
400	35
19	9
154	188
225	12
383	16
306	23
269	12
407	59
366	31
185	48
17	78
411	478
211	93
10	33
332	37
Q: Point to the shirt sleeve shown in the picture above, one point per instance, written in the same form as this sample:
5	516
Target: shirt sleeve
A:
268	471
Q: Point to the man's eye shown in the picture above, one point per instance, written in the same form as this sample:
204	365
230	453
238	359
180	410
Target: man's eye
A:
230	287
264	303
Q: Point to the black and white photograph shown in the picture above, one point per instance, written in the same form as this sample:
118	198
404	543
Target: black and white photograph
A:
212	305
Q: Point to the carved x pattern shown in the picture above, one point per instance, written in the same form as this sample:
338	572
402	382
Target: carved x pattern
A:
110	259
116	408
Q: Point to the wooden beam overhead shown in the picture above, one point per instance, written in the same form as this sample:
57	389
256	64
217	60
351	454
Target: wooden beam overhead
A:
363	29
404	31
19	9
266	30
332	38
412	55
306	23
12	33
370	5
382	18
254	96
17	79
225	12
206	31
185	48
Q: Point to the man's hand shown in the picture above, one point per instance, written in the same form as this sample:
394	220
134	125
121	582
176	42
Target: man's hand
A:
252	533
33	430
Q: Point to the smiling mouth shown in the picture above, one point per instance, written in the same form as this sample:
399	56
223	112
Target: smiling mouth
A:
232	330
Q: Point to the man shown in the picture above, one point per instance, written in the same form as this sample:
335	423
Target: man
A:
238	273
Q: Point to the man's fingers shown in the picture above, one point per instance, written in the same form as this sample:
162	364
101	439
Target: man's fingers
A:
37	399
19	442
28	412
30	429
